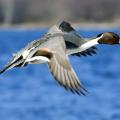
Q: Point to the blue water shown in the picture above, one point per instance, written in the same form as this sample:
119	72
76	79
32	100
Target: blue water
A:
30	93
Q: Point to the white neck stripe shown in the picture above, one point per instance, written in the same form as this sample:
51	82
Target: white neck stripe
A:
90	44
85	46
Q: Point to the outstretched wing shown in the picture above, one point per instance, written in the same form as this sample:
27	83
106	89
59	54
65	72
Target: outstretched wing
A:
64	74
60	67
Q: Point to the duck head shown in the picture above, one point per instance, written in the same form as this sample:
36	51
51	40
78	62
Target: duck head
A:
108	38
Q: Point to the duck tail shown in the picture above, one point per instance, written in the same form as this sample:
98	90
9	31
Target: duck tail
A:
12	65
5	69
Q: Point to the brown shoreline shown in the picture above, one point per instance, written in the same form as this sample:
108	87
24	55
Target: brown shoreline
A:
83	25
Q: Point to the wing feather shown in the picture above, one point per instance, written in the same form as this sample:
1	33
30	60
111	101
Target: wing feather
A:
59	65
65	75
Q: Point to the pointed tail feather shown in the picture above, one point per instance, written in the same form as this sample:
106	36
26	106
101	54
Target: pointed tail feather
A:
5	69
12	65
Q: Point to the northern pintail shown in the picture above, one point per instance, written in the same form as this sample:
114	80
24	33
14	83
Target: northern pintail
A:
53	49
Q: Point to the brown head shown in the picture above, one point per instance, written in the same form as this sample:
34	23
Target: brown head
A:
108	38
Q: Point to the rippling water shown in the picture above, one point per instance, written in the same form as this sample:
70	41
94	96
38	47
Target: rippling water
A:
30	93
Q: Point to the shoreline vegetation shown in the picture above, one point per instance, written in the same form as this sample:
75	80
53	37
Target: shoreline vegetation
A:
83	25
45	13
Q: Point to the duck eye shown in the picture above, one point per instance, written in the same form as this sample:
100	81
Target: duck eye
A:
114	36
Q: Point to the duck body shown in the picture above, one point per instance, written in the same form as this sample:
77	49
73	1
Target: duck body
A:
55	47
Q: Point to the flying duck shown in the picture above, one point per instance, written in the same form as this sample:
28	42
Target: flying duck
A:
54	48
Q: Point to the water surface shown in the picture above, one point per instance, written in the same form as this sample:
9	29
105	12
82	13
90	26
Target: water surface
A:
30	93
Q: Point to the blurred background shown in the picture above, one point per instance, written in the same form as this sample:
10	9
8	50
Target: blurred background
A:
45	12
31	93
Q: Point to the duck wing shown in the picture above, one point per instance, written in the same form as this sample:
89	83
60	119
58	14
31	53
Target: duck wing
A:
60	67
64	74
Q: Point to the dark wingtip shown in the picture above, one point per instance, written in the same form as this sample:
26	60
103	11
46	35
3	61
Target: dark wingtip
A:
80	91
66	26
